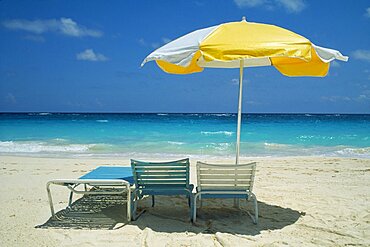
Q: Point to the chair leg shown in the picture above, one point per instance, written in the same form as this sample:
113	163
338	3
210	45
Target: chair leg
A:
128	205
190	202
70	199
71	188
194	218
153	202
50	199
133	205
255	206
237	203
255	210
134	201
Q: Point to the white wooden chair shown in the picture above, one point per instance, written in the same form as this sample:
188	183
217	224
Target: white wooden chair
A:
226	181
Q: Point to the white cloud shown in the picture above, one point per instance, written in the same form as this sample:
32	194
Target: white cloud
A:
153	45
363	97
335	64
69	27
65	26
37	26
235	81
252	102
362	55
142	42
200	4
11	98
166	40
90	55
35	38
249	3
291	6
335	98
367	13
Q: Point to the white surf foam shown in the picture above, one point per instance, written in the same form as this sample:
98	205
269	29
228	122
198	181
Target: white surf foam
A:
227	133
41	147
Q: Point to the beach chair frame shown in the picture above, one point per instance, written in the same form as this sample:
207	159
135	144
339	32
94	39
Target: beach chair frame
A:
160	178
100	187
226	181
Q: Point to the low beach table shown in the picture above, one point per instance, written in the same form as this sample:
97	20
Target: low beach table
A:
104	180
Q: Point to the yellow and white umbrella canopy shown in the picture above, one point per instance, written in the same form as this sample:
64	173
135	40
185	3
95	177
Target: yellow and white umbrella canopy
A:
244	44
225	45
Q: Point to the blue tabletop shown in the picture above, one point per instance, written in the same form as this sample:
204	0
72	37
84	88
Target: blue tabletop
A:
111	172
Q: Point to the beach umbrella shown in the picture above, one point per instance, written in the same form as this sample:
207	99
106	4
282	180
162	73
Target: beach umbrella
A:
244	44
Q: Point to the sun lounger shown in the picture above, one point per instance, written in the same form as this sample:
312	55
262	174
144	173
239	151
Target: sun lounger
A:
160	178
104	180
226	181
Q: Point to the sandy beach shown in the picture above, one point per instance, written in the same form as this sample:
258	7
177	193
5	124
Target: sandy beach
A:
303	201
280	83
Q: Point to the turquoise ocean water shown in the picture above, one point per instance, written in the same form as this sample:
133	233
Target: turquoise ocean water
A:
188	135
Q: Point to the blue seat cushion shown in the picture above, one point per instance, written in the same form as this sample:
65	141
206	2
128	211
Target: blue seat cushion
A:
166	190
111	172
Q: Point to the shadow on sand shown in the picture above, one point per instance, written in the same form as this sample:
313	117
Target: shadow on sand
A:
90	212
171	214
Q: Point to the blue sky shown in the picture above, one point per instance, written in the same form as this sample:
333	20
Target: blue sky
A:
85	56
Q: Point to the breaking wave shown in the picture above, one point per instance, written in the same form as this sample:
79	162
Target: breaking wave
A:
175	143
354	152
43	147
226	133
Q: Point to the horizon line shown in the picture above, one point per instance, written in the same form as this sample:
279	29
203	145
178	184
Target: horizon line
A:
106	112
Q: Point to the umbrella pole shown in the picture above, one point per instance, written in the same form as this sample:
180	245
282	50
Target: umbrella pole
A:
239	111
236	201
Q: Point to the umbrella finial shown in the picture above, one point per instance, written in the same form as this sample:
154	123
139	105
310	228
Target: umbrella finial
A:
244	19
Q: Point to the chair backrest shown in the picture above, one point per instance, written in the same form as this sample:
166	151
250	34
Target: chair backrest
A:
225	177
172	174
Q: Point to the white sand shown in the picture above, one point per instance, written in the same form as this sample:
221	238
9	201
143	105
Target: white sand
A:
303	201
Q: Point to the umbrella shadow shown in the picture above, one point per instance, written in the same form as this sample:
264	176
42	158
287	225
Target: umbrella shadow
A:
171	215
215	216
